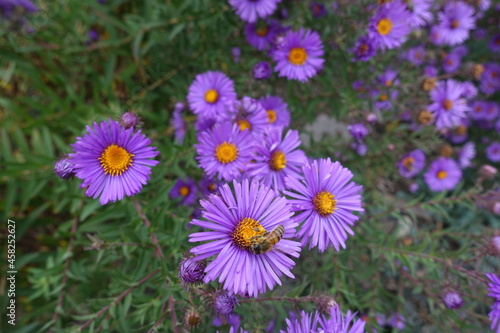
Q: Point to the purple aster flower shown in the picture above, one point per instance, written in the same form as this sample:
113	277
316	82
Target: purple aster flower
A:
262	70
451	62
420	12
7	7
277	157
412	163
443	174
248	114
466	154
277	111
494	286
448	108
436	35
397	321
209	92
335	323
208	185
461	50
129	119
469	90
179	125
455	22
317	9
430	71
260	35
493	152
416	55
238	220
364	49
191	271
358	131
205	123
224	151
384	99
494	316
492	111
483	4
478	110
112	161
236	53
325	198
494	43
452	299
250	10
388	79
184	189
299	55
490	78
389	26
64	168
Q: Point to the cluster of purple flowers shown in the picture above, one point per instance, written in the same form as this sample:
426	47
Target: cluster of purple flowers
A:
494	289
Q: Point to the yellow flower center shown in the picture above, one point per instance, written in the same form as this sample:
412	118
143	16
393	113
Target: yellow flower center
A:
383	97
211	96
262	31
442	174
297	56
408	162
184	191
115	160
226	152
271	116
324	203
277	161
245	230
447	104
244	124
388	83
384	26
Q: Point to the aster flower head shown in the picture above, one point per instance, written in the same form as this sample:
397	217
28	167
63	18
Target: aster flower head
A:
364	49
494	286
224	151
336	322
209	92
317	9
448	106
451	62
494	43
397	321
466	154
112	161
224	302
494	316
389	26
416	55
185	190
443	174
412	163
325	200
129	119
64	168
493	152
490	78
262	70
277	111
455	22
388	78
251	10
238	220
420	12
358	131
208	185
299	56
261	34
248	114
191	271
277	157
452	299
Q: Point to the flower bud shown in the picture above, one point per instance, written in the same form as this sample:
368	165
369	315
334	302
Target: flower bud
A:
325	303
494	246
429	83
129	119
64	168
477	71
487	171
446	150
191	271
451	299
425	117
223	302
192	318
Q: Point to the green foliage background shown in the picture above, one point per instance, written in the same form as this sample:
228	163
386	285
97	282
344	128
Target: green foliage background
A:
53	84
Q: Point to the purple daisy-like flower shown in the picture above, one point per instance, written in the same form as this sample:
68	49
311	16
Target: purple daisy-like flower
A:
478	110
260	35
494	286
299	55
317	9
490	78
262	70
364	49
448	107
248	114
184	189
239	221
397	321
335	323
208	185
494	316
416	55
388	78
412	163
224	151
492	111
493	152
112	161
443	174
251	10
494	43
420	13
466	154
451	62
455	22
389	26
209	92
277	157
430	71
277	111
325	198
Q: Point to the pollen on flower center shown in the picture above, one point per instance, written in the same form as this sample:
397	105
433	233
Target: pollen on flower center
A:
184	191
383	97
226	152
408	162
277	161
324	203
363	49
442	174
244	124
115	160
388	83
245	230
271	116
211	96
447	104
454	24
297	56
384	26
